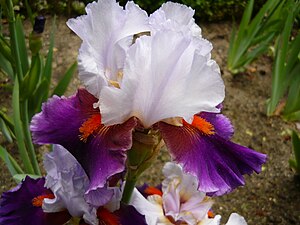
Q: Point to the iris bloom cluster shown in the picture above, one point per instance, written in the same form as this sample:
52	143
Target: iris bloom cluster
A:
149	81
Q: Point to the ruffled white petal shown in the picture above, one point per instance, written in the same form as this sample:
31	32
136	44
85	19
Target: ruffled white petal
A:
236	219
67	180
105	32
166	75
174	16
181	198
152	208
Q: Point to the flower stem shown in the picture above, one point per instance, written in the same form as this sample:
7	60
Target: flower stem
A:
140	157
128	189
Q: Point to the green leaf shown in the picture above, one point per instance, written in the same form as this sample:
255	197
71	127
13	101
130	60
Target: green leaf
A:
20	177
5	50
47	73
10	162
14	44
29	12
293	54
279	84
296	149
64	82
6	67
8	121
294	116
19	129
31	79
293	99
22	45
293	164
38	98
260	28
48	64
246	16
6	131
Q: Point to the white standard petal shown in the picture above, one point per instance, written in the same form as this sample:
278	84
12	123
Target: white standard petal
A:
165	75
67	180
175	16
103	31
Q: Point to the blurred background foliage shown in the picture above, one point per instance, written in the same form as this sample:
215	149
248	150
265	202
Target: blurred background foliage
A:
205	10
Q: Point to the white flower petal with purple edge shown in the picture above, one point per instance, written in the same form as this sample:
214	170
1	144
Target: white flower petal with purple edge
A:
181	198
181	201
106	31
178	81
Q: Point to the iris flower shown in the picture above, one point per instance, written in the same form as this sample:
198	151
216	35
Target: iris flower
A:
23	205
164	83
180	202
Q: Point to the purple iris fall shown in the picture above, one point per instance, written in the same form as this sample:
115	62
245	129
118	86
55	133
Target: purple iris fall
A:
23	205
151	75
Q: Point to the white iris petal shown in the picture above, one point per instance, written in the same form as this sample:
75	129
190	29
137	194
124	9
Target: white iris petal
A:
166	75
105	32
176	17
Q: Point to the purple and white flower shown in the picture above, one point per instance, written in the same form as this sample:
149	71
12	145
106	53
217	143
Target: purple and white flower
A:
180	203
23	205
165	82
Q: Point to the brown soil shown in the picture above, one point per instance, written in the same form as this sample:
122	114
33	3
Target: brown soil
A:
273	196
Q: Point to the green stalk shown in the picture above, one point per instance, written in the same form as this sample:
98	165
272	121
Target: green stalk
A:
144	151
28	139
128	189
19	129
14	39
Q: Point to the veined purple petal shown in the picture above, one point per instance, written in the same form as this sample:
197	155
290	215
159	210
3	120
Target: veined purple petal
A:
61	118
16	205
218	163
102	154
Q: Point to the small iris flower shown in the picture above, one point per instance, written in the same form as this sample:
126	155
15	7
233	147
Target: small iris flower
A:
180	202
23	205
164	84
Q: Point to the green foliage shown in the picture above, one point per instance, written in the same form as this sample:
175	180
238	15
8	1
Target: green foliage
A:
275	21
255	34
31	75
295	163
205	10
286	69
